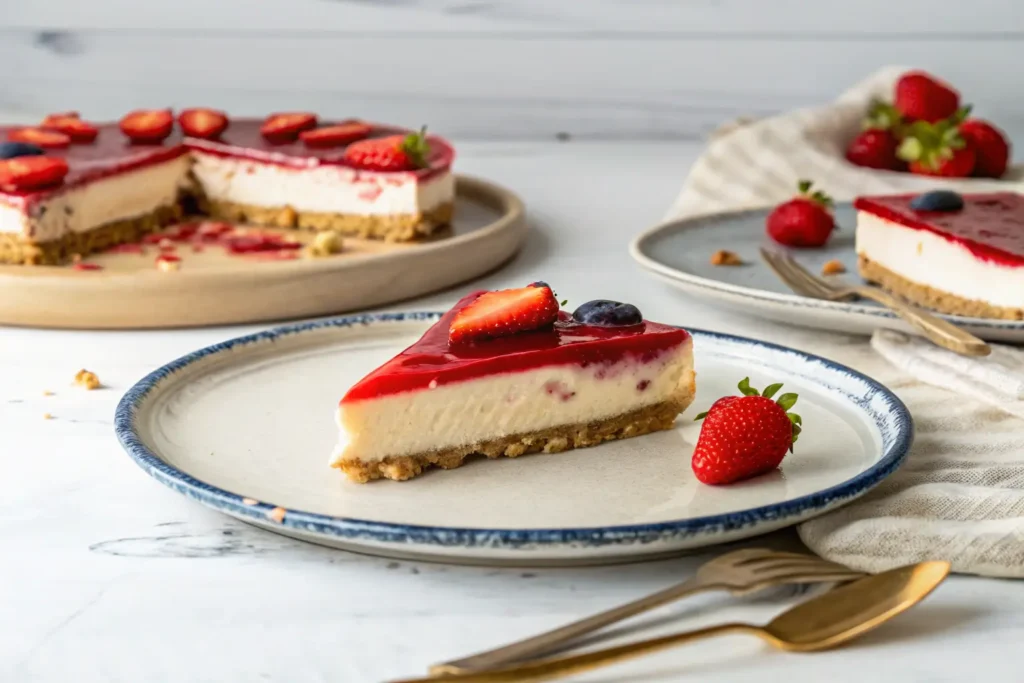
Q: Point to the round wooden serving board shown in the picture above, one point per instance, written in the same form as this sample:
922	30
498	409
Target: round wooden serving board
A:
215	288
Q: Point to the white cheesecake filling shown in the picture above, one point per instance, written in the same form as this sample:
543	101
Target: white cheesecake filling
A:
321	189
929	259
118	197
504	405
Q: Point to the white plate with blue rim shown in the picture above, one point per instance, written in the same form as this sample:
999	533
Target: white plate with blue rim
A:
679	252
247	427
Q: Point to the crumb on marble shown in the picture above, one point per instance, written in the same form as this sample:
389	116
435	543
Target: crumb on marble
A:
725	258
277	514
833	267
250	501
47	392
88	380
326	243
47	416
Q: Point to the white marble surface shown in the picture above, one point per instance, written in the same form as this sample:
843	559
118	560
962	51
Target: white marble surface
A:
499	69
107	576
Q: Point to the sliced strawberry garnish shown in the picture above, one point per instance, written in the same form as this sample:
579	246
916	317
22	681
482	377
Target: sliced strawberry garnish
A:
147	125
503	313
203	123
40	137
334	136
72	126
286	127
30	173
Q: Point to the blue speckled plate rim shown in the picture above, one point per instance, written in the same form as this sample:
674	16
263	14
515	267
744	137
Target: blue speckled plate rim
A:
637	250
895	420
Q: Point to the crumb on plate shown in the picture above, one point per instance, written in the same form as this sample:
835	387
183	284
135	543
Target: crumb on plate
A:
277	514
250	501
87	379
833	267
326	243
725	258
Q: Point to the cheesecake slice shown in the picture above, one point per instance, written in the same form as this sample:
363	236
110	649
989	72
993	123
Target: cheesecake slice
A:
572	381
962	255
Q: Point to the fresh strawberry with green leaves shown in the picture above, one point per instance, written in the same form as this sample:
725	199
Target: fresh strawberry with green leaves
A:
392	153
71	125
200	122
875	147
503	313
938	149
745	436
991	147
804	221
921	96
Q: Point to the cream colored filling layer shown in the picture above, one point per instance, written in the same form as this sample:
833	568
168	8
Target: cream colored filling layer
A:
321	189
493	407
931	260
119	197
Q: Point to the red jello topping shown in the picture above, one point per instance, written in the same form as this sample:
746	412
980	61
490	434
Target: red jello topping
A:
432	362
990	226
87	266
112	153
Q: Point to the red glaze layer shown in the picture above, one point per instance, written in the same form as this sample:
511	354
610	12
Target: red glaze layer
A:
431	359
113	153
990	226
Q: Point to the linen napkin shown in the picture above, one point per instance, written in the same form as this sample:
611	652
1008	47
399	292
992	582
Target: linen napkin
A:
960	495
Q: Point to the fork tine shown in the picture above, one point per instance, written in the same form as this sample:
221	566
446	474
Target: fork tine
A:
785	274
808	275
783	556
798	278
782	565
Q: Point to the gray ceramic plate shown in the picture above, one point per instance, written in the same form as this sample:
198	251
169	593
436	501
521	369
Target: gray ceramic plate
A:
679	252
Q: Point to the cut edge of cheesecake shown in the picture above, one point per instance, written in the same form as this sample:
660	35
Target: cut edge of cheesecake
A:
655	417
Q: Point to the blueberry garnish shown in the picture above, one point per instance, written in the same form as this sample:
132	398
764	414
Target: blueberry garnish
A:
937	200
602	312
9	150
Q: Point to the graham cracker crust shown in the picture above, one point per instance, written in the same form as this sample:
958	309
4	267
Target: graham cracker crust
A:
653	418
930	297
17	249
390	228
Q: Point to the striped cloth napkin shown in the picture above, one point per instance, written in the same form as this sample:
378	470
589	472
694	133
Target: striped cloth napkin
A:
960	495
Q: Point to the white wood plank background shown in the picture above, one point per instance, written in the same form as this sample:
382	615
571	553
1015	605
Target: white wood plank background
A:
510	69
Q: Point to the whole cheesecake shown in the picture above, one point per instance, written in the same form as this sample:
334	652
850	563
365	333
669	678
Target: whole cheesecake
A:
572	381
115	189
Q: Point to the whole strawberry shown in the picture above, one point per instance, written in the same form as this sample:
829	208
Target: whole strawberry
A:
875	146
923	97
991	147
744	436
938	149
804	221
393	153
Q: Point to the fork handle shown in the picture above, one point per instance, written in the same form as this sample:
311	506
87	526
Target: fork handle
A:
558	667
550	640
941	332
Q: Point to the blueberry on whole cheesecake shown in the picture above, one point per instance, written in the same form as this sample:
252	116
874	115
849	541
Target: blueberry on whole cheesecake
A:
937	200
10	150
604	312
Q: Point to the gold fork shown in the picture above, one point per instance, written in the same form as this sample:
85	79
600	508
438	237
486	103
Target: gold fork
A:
939	331
825	621
739	572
